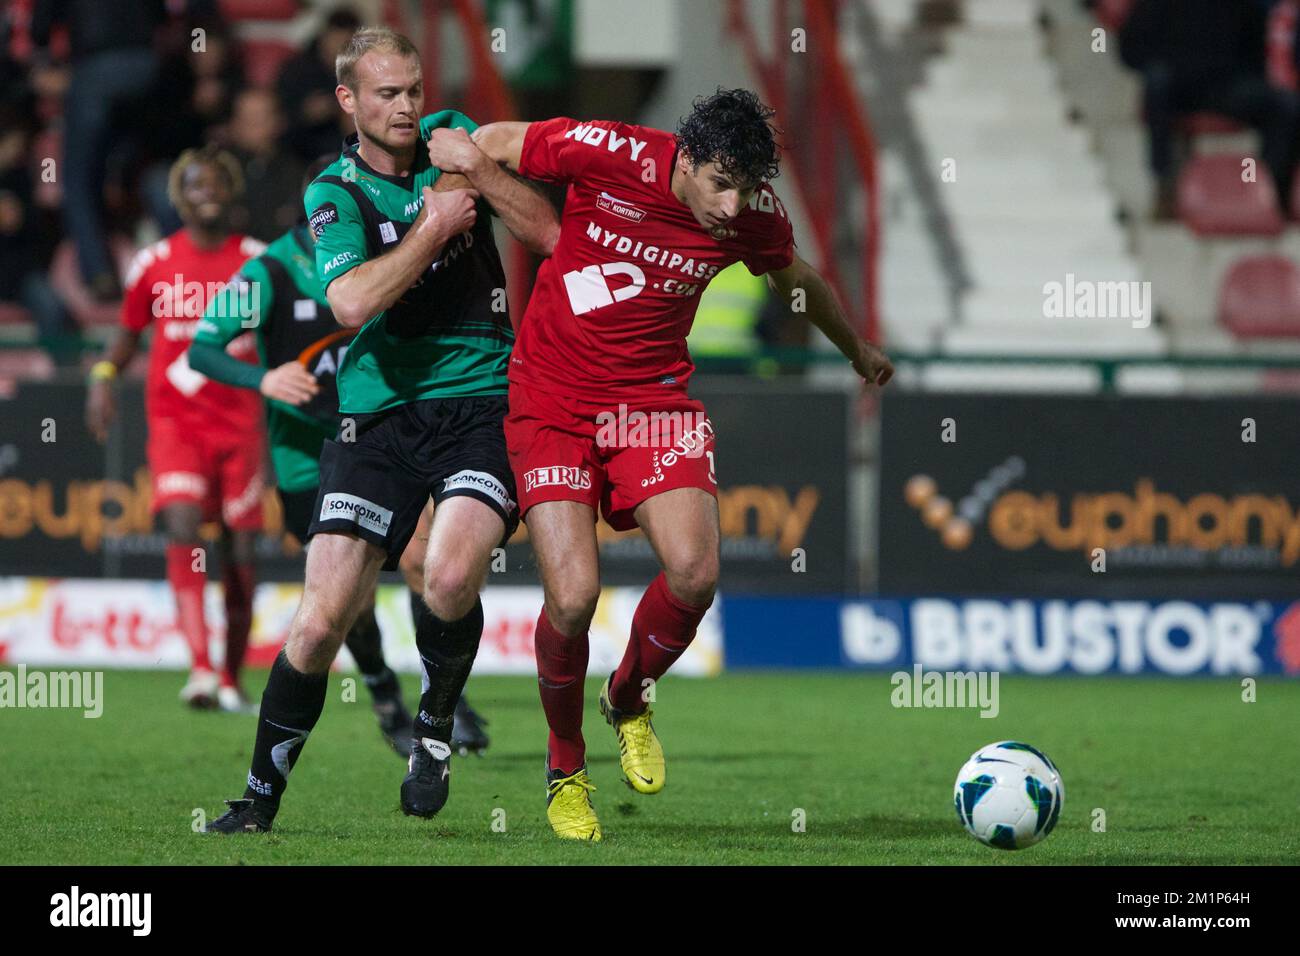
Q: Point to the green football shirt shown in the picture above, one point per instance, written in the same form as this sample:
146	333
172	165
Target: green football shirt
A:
450	335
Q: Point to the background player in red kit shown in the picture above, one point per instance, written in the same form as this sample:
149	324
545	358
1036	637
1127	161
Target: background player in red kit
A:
649	219
205	446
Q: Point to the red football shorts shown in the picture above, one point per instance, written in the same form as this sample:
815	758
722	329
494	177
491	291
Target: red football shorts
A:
222	474
609	456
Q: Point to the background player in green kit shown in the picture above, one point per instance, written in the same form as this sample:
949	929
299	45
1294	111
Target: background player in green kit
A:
422	391
277	298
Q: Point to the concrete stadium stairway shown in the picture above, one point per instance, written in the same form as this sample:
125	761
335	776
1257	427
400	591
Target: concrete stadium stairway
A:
1029	205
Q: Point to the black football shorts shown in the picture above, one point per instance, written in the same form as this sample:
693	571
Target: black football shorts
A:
375	486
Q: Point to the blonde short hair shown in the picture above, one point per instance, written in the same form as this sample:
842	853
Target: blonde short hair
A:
362	42
209	155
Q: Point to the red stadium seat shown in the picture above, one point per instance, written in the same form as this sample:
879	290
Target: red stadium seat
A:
1260	298
263	59
24	365
259	9
1111	14
13	314
1208	124
1214	201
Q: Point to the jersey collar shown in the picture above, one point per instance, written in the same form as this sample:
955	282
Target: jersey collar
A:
350	150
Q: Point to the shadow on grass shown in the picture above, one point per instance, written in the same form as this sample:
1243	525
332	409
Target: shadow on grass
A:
536	756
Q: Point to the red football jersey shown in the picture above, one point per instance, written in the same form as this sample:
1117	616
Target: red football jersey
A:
612	306
169	285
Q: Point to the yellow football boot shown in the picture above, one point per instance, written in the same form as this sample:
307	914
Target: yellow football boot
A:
640	755
568	806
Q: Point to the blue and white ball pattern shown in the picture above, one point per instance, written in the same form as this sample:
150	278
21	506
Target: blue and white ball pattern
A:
1009	795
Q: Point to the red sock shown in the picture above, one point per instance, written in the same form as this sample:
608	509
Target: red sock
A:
238	582
561	669
187	586
662	627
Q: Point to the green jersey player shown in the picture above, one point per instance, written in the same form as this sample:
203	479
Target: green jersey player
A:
422	392
278	299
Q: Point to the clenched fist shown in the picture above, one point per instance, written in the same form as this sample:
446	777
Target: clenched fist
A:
873	364
449	213
452	151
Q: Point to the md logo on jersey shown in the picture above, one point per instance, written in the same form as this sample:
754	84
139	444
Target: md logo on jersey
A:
588	289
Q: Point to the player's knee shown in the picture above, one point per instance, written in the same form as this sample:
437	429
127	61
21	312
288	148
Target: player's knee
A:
242	546
313	641
181	522
694	581
571	605
450	591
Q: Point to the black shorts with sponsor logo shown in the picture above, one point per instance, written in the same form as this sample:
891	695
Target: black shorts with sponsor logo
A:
376	485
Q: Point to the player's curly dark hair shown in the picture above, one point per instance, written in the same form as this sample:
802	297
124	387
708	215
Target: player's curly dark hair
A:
209	155
732	128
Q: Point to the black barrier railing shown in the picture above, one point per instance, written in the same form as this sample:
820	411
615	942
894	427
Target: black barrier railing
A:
771	361
1107	366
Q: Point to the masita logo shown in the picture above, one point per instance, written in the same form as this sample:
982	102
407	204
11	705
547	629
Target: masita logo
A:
363	513
74	908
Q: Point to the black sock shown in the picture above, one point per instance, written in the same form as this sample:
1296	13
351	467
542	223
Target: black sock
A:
447	651
367	648
291	705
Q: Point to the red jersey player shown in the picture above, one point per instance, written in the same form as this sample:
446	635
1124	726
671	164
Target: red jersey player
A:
205	445
599	373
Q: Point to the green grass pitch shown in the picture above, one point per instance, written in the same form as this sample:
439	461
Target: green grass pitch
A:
1185	771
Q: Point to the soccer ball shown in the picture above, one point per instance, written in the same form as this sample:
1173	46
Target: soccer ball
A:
1009	795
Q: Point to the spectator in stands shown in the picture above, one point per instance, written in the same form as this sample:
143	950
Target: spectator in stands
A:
1282	52
1207	55
113	62
192	105
272	180
23	279
306	89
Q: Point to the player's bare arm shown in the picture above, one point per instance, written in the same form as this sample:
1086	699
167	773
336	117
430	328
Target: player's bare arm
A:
824	311
502	142
101	406
526	212
370	288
